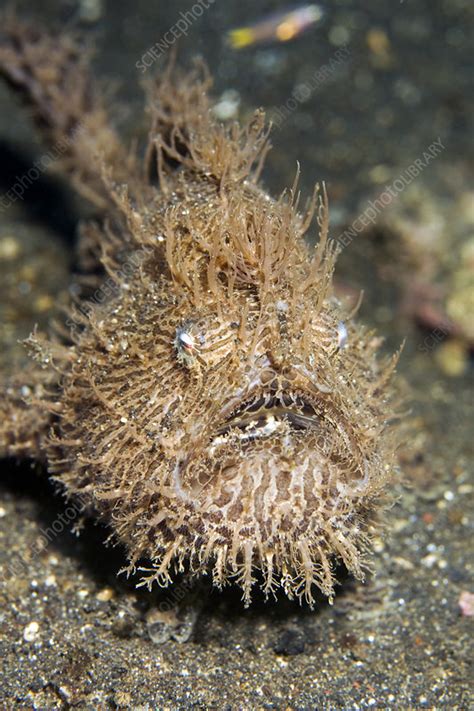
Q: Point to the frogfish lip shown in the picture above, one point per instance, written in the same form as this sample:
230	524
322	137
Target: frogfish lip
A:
266	415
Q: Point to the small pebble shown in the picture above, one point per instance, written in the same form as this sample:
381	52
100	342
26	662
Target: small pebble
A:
105	594
466	603
290	643
429	560
30	632
177	624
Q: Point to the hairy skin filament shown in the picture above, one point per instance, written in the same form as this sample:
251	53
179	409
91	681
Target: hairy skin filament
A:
217	407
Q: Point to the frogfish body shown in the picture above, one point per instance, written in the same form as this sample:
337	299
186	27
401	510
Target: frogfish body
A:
211	400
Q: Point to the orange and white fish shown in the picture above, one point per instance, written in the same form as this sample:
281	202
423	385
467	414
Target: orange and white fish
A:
277	27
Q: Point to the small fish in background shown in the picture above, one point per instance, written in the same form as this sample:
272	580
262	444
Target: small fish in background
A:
277	27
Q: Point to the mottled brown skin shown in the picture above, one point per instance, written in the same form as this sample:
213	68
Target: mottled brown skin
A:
205	406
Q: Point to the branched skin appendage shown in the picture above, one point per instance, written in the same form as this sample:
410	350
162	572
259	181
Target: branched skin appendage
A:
218	408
